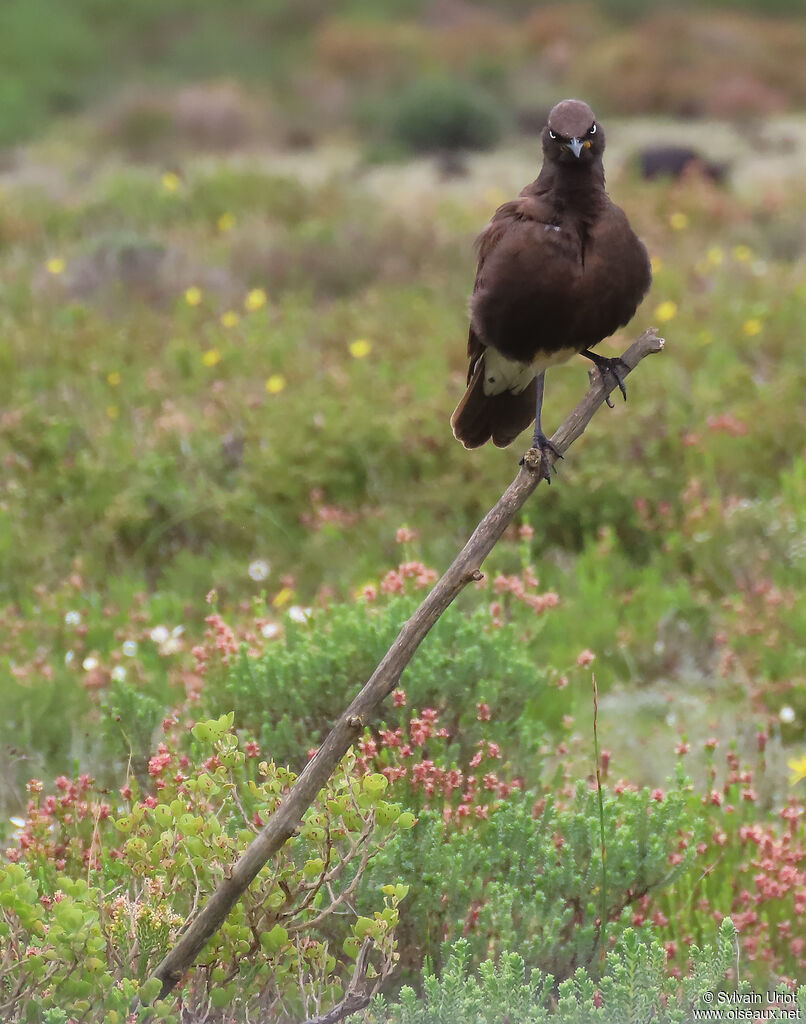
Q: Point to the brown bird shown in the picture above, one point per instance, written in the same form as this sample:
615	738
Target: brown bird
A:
560	269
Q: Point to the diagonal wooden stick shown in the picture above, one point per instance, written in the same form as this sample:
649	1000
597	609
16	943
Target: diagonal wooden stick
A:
464	569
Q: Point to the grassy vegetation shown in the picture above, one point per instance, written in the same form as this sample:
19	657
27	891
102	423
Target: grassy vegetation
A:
219	379
313	67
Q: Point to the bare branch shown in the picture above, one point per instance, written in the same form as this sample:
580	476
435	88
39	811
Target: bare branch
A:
464	569
356	997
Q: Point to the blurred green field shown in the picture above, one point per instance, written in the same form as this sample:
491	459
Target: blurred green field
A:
225	365
234	270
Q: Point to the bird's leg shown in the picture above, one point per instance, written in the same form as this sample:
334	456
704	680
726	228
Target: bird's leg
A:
540	441
611	367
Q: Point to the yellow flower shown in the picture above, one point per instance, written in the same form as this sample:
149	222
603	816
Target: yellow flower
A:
193	296
360	348
256	299
112	412
656	263
275	384
752	327
743	253
797	767
55	265
113	379
678	221
225	223
282	597
212	357
171	182
714	256
230	319
666	311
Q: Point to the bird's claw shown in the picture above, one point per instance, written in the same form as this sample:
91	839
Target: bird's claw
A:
613	368
536	458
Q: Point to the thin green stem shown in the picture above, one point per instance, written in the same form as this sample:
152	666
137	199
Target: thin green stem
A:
603	899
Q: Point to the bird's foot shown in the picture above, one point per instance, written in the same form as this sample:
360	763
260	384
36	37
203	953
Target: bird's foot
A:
536	458
616	369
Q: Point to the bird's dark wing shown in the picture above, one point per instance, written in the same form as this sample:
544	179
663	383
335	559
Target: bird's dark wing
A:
527	286
485	243
526	207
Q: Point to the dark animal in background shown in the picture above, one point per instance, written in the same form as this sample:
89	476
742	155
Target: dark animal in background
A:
676	161
451	164
560	269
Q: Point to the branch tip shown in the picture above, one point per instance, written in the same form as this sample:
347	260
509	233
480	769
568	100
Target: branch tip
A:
532	459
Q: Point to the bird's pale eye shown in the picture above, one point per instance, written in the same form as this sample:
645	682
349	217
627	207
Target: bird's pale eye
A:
551	134
592	130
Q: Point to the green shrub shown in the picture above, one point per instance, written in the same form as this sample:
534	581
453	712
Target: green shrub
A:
438	114
634	987
293	693
93	895
525	872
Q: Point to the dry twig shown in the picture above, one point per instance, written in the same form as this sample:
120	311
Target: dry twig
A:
464	569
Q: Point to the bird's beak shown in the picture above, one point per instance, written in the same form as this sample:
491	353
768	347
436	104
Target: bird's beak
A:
576	146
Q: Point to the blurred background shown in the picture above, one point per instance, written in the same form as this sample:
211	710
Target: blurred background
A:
236	246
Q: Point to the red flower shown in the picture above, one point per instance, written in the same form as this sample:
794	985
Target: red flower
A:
158	763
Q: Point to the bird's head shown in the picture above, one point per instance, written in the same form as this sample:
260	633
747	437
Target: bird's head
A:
572	134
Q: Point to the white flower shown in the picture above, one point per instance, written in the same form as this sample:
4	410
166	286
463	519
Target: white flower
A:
130	648
787	714
168	642
72	618
119	673
270	630
69	657
298	614
17	821
89	663
259	570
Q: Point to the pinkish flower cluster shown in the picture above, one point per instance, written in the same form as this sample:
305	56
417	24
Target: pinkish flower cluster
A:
61	828
158	763
322	514
401	755
766	862
521	588
220	639
729	424
394	582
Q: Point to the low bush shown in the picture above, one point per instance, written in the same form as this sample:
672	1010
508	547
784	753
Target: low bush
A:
437	115
98	886
514	864
633	986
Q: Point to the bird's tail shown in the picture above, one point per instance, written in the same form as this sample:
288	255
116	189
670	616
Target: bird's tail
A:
479	417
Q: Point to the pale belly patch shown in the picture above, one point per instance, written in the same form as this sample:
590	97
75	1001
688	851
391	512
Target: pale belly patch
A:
502	374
